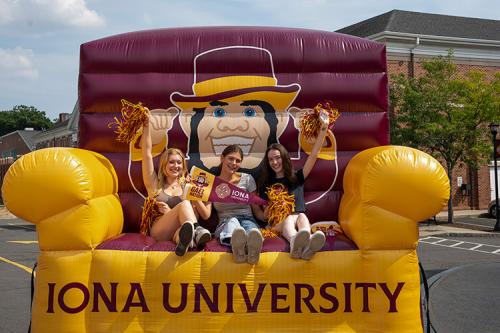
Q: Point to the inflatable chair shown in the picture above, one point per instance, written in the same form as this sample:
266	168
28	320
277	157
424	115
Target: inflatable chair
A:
97	273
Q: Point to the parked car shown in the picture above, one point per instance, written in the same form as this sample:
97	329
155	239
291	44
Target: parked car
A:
492	208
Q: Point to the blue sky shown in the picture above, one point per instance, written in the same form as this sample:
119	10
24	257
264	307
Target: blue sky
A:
40	39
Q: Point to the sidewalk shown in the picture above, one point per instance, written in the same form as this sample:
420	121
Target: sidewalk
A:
441	227
456	213
5	214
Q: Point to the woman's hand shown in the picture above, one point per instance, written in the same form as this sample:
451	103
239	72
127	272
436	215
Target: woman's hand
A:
311	159
148	117
163	207
266	212
323	117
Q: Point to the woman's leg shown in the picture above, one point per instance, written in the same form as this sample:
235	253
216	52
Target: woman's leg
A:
287	227
298	240
316	240
230	233
303	222
225	230
254	239
167	226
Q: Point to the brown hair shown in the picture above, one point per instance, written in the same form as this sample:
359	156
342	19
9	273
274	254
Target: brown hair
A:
232	149
266	172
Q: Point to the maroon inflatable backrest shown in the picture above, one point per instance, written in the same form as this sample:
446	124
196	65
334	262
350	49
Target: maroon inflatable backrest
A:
214	86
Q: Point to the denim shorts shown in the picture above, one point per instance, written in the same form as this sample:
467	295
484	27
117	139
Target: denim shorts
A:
227	225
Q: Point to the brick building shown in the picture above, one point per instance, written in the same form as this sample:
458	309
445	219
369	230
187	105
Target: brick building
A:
62	134
411	37
17	143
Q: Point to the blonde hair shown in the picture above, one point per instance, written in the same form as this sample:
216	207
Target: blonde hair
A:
161	178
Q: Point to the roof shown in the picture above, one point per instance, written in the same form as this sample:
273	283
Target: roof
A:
426	24
27	136
59	124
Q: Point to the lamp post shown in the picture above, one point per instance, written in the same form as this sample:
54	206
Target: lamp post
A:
494	131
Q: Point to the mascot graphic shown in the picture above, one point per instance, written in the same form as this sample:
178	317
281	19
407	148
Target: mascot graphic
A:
236	99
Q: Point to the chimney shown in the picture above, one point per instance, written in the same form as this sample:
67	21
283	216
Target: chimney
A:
63	117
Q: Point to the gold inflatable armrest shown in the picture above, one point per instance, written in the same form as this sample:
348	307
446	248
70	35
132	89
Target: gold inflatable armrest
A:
387	191
69	193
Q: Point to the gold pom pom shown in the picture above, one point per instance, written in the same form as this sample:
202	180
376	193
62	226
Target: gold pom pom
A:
281	203
133	118
150	214
269	233
310	123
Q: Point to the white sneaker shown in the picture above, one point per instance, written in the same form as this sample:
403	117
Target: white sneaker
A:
254	246
315	244
201	236
238	243
299	242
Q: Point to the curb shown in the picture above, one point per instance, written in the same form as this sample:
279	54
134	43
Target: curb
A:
460	234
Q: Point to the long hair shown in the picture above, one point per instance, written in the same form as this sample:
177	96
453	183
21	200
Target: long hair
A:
161	176
266	172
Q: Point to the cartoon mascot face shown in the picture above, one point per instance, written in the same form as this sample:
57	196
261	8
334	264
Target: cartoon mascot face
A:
236	99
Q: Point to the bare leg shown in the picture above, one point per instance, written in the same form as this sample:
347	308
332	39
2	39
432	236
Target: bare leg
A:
287	227
298	240
303	222
166	228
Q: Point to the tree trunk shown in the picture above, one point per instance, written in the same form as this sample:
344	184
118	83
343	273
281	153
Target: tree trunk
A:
450	201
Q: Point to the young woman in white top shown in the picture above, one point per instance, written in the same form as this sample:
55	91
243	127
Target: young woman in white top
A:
237	226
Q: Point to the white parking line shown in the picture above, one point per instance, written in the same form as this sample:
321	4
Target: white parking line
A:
492	249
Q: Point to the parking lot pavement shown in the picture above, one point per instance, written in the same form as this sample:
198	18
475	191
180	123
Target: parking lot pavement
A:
466	299
18	253
462	266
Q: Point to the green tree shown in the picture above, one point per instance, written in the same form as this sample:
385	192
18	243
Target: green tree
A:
21	117
445	115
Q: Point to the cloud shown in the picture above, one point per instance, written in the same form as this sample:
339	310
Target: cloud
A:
17	63
73	12
5	12
47	15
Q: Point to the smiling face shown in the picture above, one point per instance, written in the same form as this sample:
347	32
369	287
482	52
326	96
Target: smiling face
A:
172	165
230	163
241	123
275	162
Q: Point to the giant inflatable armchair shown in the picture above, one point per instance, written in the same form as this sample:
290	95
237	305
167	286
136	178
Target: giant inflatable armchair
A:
207	88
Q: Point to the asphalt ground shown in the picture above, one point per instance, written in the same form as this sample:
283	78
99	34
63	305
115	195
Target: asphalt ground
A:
463	277
463	272
18	253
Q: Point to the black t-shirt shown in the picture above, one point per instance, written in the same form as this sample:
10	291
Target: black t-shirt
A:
296	188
